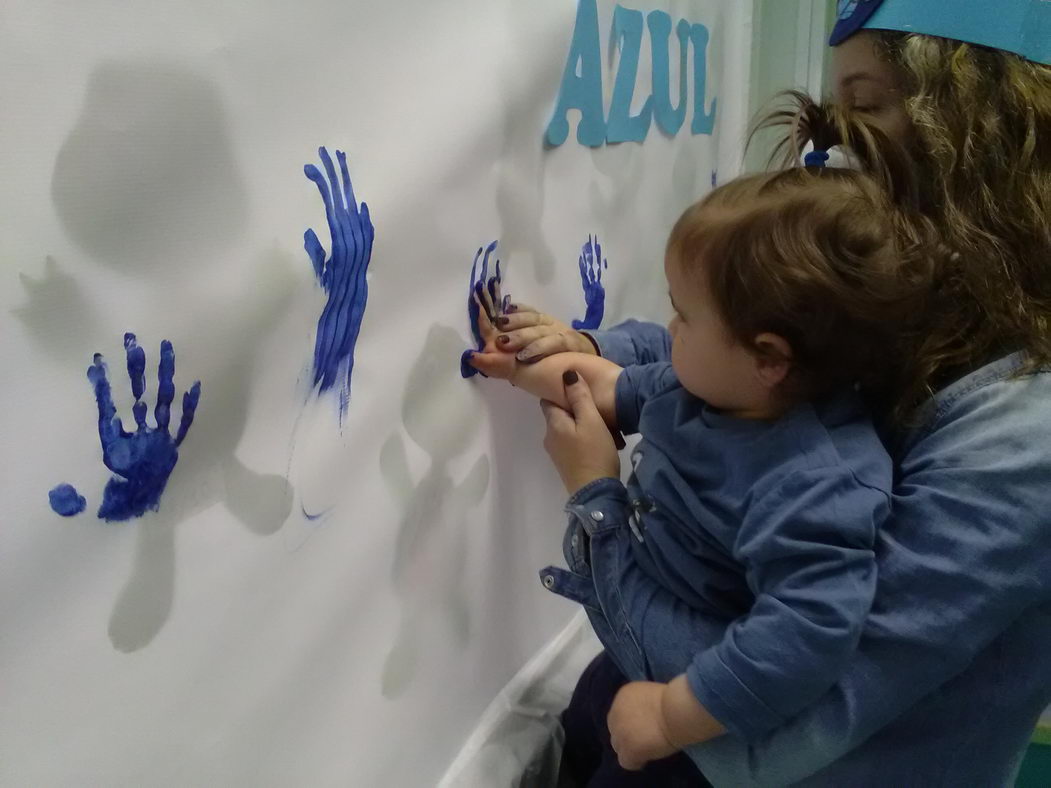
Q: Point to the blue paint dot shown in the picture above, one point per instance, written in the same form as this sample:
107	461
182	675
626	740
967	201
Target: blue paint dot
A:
66	501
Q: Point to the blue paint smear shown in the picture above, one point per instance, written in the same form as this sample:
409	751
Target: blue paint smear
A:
313	518
591	264
342	276
480	279
66	501
142	460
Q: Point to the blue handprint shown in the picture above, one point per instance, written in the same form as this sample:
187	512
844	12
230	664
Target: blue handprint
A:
342	276
591	265
480	279
142	460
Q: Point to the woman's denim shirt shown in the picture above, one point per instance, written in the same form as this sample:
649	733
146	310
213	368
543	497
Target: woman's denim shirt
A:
953	668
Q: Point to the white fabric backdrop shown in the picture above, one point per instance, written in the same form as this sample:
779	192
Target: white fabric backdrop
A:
154	152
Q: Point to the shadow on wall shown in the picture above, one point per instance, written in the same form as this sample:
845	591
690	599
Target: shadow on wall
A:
520	180
147	182
208	471
147	176
56	301
440	415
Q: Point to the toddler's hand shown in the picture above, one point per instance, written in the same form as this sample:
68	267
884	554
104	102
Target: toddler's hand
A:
490	360
636	725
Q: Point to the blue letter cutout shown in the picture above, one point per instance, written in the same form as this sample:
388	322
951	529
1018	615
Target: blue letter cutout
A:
583	92
622	126
669	119
703	123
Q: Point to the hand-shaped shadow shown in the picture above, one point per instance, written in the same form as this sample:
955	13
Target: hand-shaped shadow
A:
58	293
142	460
522	160
431	552
342	276
591	265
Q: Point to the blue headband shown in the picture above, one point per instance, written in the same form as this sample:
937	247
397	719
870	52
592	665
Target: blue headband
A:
1019	26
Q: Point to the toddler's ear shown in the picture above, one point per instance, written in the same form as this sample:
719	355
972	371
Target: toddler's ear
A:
773	359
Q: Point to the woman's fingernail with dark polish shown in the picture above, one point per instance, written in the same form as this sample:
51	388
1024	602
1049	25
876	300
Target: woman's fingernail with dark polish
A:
503	340
502	321
569	377
511	308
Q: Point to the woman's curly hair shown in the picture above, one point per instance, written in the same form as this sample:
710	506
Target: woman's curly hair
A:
979	168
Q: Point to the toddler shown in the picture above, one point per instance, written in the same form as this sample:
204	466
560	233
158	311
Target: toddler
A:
759	481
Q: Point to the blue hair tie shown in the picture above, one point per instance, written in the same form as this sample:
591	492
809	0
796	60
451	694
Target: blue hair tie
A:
816	158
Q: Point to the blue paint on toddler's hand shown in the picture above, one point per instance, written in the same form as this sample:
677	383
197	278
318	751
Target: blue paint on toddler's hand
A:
342	276
480	279
66	501
591	264
142	460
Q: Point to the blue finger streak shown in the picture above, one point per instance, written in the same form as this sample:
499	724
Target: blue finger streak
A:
136	365
348	188
349	286
314	174
338	202
110	428
165	386
344	277
189	407
473	307
139	410
480	282
341	242
473	310
66	501
316	252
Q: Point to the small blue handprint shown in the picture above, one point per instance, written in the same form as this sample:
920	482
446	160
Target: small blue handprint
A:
481	279
142	460
342	276
591	265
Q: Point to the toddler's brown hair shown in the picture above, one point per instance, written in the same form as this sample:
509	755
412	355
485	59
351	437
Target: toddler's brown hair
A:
816	256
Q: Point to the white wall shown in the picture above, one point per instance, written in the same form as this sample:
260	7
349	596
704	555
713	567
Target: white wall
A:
154	152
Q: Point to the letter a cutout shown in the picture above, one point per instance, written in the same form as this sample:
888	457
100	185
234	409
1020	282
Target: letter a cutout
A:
583	92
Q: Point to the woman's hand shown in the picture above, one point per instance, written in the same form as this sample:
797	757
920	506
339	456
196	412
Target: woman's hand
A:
533	335
578	440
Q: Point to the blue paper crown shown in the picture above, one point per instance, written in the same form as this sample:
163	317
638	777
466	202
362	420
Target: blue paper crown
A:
1019	26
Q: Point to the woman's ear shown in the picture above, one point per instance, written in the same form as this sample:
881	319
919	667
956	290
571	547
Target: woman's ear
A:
773	359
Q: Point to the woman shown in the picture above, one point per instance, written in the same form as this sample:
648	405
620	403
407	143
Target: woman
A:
953	670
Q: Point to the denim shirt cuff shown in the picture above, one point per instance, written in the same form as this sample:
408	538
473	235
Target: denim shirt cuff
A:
600	488
726	697
589	335
614	345
599	505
